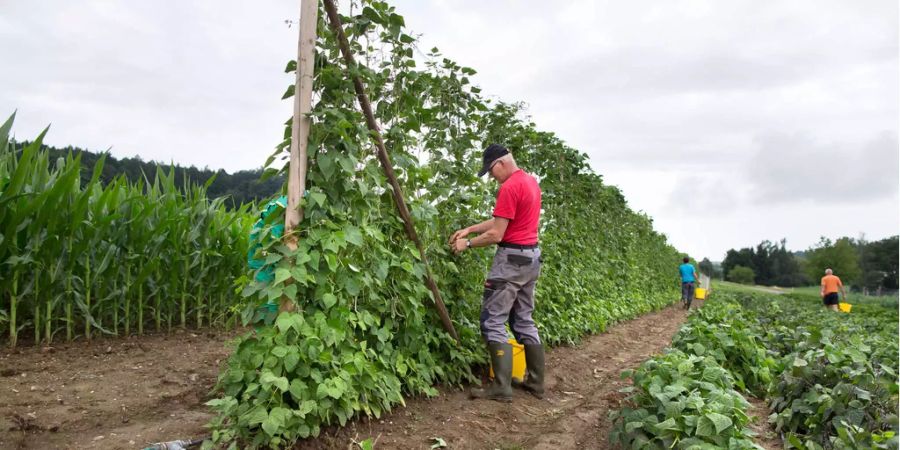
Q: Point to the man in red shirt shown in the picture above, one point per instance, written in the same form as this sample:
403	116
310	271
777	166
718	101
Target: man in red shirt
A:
509	289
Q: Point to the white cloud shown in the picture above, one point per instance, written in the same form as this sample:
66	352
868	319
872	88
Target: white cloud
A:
795	168
709	115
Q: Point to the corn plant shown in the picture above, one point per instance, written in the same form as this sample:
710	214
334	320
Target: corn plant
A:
88	258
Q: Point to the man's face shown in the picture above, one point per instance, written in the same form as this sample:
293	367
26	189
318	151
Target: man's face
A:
495	169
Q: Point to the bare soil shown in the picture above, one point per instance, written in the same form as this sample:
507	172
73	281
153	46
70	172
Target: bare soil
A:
583	386
128	393
765	435
111	394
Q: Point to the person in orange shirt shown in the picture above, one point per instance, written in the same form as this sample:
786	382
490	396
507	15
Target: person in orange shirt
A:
830	286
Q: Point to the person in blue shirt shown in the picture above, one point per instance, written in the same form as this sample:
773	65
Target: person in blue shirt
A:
688	279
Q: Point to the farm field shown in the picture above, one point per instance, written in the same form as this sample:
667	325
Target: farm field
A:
829	379
71	396
349	307
133	392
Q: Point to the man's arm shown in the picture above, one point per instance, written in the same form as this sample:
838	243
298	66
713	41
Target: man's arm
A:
489	236
822	290
477	228
843	294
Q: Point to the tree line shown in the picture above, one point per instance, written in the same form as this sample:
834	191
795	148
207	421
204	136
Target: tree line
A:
869	266
239	187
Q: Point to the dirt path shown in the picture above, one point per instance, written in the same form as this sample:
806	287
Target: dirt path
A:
765	435
127	393
110	394
583	384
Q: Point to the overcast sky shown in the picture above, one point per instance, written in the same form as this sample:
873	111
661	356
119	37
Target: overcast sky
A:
728	122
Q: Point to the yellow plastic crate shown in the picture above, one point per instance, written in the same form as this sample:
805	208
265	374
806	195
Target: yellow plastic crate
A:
700	294
845	307
518	369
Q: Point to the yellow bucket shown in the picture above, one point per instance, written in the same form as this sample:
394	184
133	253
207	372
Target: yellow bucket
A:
700	294
518	369
845	307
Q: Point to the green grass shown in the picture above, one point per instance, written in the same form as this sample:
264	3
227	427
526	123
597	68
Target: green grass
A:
852	297
745	288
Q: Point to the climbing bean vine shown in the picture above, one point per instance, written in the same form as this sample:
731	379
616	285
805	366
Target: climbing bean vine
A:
364	333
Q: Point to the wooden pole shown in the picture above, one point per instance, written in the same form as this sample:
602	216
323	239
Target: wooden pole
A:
335	22
309	11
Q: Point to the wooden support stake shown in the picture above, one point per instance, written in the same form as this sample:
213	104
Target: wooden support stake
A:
335	22
309	12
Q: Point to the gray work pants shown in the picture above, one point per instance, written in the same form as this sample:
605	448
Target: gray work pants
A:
509	295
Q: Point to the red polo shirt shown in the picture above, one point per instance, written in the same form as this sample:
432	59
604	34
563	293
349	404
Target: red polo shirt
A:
519	200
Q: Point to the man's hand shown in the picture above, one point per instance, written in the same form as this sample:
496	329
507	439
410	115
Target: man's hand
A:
459	234
458	246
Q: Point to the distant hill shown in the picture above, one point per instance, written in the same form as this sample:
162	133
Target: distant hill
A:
240	187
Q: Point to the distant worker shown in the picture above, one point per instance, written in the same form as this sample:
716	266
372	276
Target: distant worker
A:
831	284
688	280
509	289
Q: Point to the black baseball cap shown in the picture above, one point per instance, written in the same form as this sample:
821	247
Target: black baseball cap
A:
491	154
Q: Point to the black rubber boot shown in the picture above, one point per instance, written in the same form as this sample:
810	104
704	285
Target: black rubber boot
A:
501	361
534	370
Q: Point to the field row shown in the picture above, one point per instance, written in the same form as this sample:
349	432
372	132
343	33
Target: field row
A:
830	379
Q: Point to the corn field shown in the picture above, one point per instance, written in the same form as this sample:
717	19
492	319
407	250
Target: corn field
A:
80	259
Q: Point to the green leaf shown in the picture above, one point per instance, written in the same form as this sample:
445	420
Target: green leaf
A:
668	424
794	441
332	261
720	421
284	322
291	360
281	275
290	291
273	424
706	427
255	416
354	236
297	389
306	407
281	383
318	197
288	93
329	300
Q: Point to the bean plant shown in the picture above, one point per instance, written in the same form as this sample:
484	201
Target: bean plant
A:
364	333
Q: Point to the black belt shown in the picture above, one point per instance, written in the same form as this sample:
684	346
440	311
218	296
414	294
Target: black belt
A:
517	246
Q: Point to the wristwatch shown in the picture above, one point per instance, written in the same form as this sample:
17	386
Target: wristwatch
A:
468	243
